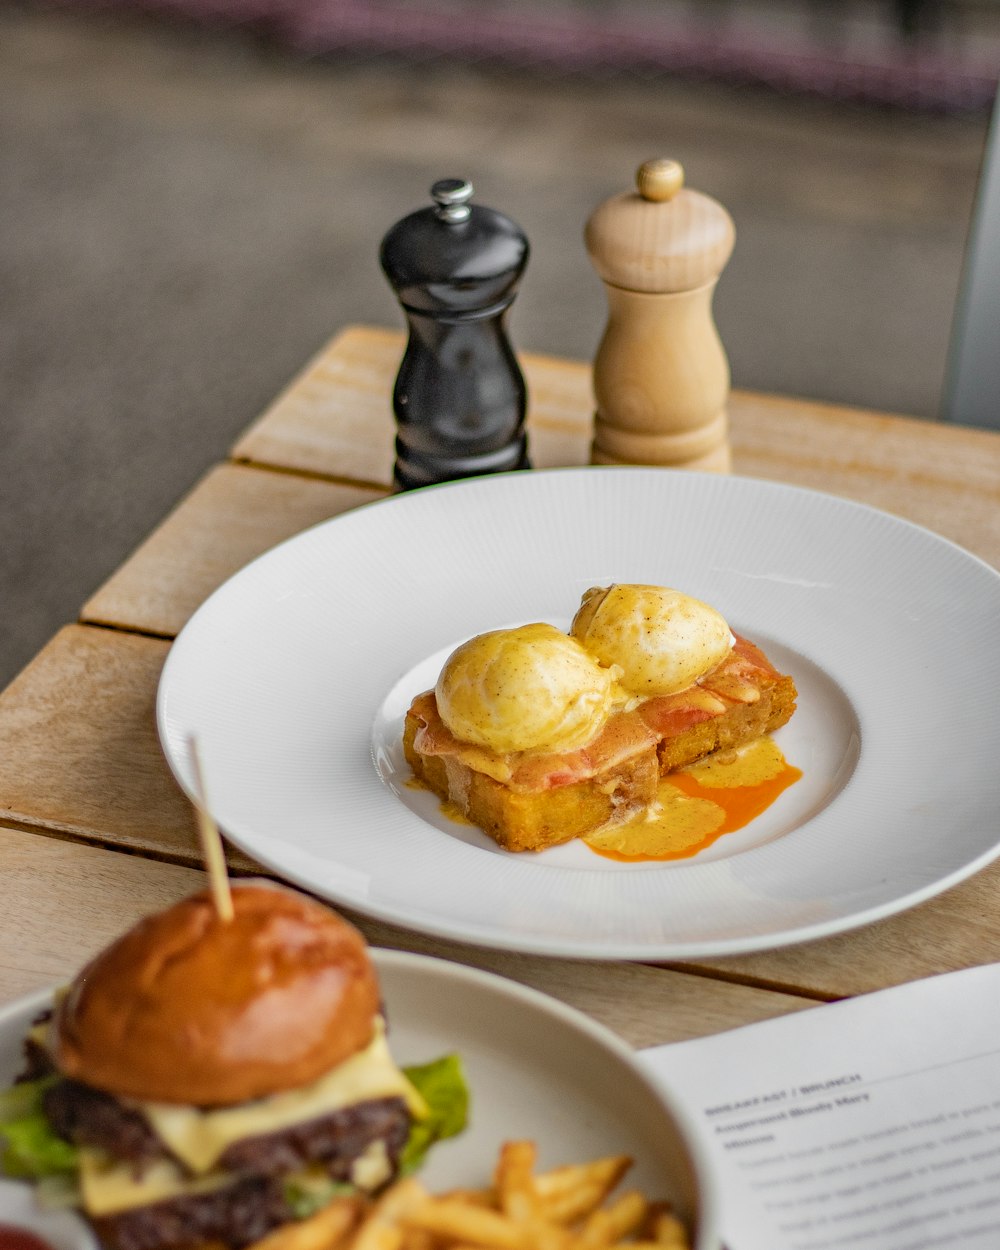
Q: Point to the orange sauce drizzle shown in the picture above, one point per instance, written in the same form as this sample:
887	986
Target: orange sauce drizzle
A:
696	806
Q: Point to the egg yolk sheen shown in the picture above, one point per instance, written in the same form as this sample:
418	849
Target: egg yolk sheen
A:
662	640
527	689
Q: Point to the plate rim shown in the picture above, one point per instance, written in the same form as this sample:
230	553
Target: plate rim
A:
489	936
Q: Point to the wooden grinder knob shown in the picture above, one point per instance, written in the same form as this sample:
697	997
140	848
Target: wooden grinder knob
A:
659	180
661	377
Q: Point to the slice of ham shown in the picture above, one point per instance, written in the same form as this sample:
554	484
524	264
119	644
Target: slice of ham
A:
748	660
624	735
668	715
738	679
433	737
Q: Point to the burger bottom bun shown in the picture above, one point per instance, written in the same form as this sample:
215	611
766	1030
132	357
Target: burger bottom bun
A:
187	1008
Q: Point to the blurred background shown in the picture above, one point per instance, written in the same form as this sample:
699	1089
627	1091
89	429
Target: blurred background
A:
193	194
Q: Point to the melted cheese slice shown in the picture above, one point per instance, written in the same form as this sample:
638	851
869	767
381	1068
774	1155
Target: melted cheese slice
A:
199	1137
107	1187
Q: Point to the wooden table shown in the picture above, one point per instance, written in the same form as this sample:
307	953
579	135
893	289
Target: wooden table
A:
95	832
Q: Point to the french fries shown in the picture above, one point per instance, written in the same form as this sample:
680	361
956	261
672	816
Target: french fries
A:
328	1227
563	1209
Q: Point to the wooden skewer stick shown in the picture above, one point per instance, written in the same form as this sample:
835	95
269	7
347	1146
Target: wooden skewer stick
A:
211	841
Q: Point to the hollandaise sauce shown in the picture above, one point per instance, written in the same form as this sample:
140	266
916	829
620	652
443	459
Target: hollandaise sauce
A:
447	807
695	806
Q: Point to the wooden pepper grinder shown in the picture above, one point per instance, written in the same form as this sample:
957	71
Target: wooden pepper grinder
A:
459	397
661	377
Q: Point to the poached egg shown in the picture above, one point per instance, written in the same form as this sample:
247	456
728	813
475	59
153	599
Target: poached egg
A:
662	640
533	688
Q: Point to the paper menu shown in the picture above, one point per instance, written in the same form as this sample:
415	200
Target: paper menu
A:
869	1124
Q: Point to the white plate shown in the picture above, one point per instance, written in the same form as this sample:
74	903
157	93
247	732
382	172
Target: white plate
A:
535	1069
62	1230
295	675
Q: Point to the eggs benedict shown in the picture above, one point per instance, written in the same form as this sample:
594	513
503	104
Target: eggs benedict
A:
540	736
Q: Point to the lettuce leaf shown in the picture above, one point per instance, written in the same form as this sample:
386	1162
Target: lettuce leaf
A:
30	1148
23	1098
442	1085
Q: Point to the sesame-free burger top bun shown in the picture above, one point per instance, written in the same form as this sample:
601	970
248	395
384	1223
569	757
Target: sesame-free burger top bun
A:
187	1008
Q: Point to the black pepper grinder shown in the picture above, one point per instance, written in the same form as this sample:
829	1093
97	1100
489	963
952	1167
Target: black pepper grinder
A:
459	397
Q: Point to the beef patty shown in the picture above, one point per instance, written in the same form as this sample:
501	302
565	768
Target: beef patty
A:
235	1216
255	1204
87	1116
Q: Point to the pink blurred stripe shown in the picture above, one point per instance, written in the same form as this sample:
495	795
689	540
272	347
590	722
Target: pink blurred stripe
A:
920	79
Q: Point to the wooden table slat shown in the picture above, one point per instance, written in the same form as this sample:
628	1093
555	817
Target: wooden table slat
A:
945	478
66	901
79	752
79	756
234	514
336	421
336	418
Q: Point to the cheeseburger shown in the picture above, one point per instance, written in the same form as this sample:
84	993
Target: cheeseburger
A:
206	1081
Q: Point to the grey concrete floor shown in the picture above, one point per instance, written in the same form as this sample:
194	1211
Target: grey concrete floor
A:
186	216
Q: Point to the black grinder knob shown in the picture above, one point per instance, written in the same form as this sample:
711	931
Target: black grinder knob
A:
459	397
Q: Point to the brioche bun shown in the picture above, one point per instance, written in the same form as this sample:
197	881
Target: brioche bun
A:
186	1008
